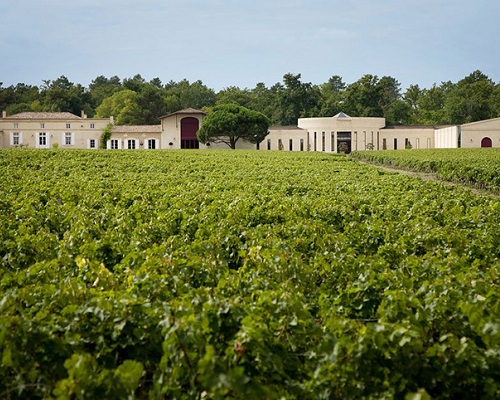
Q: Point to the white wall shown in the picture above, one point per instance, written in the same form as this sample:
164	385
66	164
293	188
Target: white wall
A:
446	138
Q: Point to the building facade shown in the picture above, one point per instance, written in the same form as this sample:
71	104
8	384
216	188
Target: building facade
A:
47	130
338	134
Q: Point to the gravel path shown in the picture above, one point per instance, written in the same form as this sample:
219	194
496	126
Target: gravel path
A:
433	177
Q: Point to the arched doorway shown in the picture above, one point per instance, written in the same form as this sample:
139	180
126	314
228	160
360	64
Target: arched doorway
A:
486	142
189	127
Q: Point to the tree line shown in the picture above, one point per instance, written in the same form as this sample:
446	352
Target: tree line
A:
135	101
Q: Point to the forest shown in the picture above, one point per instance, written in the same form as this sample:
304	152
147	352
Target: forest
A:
135	101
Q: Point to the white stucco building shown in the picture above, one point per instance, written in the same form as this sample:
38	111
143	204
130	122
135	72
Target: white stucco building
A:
338	134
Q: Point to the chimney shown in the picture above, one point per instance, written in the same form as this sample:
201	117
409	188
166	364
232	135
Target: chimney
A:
83	114
4	114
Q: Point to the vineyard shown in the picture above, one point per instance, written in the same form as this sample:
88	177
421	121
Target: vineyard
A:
248	275
479	168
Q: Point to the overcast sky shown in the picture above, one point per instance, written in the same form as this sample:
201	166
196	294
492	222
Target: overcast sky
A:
243	42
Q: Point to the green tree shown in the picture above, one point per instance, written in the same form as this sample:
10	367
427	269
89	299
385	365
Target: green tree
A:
412	97
228	123
63	95
389	96
151	104
431	104
264	99
332	96
296	99
495	98
471	99
373	97
135	83
398	113
156	82
122	106
183	94
234	95
362	97
19	98
102	87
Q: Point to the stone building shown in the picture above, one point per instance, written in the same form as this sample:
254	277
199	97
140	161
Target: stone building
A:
338	134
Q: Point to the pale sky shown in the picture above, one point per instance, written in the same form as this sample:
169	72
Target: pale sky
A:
242	42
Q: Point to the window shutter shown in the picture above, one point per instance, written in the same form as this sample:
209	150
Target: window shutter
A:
108	144
37	140
12	138
63	139
20	137
72	138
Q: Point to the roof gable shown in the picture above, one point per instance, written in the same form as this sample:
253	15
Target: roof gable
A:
341	115
185	111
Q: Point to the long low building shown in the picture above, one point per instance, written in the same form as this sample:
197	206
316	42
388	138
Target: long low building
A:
338	134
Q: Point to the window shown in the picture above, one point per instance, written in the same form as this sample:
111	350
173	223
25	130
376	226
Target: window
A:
258	146
42	126
68	126
301	144
131	144
16	125
290	144
151	143
384	144
42	139
190	144
395	143
314	141
92	144
92	126
269	144
323	141
16	139
114	144
67	139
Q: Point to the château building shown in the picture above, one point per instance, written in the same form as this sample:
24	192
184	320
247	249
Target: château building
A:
338	134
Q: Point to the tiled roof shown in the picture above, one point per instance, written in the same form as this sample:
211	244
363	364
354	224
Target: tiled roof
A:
284	128
44	115
415	126
136	128
185	111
